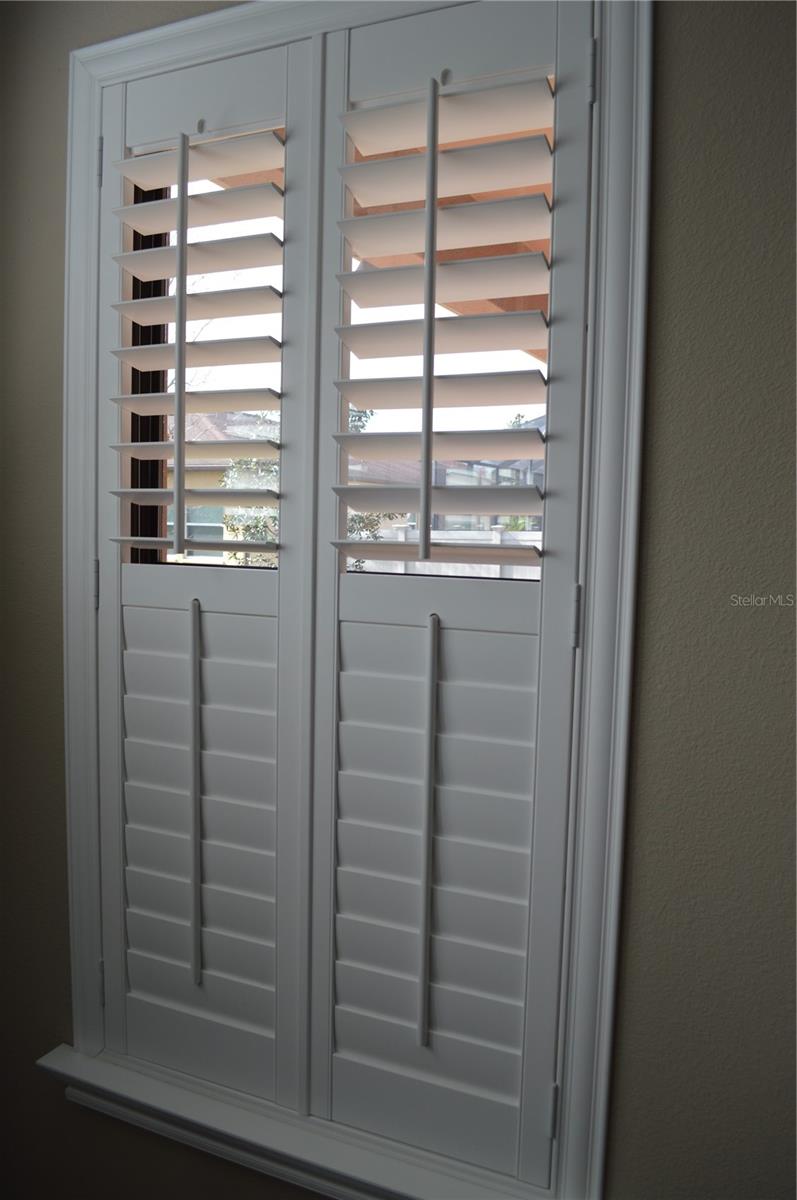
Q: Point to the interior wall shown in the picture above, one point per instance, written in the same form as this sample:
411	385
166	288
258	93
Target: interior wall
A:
701	1101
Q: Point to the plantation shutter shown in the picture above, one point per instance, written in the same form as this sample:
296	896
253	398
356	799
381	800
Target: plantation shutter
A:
199	552
451	417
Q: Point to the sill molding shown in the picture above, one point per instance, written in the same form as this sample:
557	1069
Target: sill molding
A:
312	1153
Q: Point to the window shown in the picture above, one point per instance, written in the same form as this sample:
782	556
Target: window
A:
359	441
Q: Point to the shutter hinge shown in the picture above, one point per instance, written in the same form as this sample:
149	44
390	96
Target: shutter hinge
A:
96	573
99	161
575	640
101	969
592	55
553	1121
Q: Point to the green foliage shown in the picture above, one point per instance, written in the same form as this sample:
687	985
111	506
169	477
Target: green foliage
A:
252	524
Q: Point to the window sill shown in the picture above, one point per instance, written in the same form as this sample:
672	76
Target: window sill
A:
309	1152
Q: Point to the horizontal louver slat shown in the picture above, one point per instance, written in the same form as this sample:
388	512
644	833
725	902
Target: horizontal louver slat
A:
252	825
224	254
467	1015
455	446
486	390
194	497
452	552
208	208
249	1003
446	500
223	730
217	353
209	160
204	306
485	1068
234	400
228	910
453	335
459	227
504	276
201	451
515	108
495	166
250	959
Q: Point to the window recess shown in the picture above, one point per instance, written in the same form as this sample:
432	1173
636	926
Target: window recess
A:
204	268
445	333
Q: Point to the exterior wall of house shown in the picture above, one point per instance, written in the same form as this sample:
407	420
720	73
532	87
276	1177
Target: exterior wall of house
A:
702	1102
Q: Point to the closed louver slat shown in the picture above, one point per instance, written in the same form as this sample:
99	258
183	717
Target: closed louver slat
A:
479	115
207	208
235	400
467	445
200	451
460	226
522	163
238	497
225	352
209	160
499	331
445	500
224	254
202	306
486	390
476	279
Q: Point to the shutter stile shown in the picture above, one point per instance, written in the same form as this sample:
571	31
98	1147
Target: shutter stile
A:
225	485
487	228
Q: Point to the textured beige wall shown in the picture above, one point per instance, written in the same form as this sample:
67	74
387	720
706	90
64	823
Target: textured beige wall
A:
702	1107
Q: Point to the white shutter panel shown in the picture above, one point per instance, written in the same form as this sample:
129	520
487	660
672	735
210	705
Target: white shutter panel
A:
439	1038
193	668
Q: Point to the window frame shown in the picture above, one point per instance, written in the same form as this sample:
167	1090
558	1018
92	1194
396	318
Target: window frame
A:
293	1146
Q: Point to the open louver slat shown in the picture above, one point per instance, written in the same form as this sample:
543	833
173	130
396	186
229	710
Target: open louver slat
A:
448	204
521	163
511	388
203	306
459	227
504	331
224	254
477	115
234	497
225	439
208	160
200	451
225	352
472	279
448	500
235	400
208	208
448	446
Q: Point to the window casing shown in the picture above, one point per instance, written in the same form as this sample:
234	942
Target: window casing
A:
358	604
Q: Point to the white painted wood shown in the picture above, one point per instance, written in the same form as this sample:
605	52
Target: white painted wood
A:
485	223
401	57
235	400
624	143
211	160
519	163
498	331
449	446
160	359
452	499
457	552
452	391
200	306
202	451
225	254
296	582
203	94
208	208
468	279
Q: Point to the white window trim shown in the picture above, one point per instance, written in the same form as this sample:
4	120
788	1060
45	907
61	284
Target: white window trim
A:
306	1150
